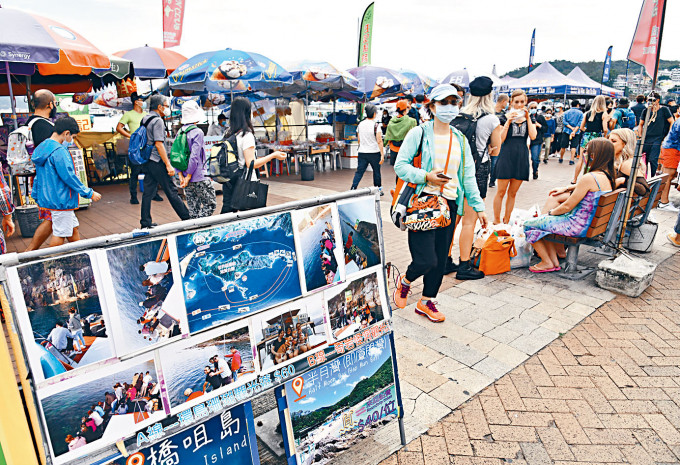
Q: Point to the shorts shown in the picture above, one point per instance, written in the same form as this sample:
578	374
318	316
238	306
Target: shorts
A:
670	158
587	137
44	214
482	175
63	223
575	142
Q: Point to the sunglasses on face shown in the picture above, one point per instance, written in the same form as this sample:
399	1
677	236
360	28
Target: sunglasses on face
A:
452	100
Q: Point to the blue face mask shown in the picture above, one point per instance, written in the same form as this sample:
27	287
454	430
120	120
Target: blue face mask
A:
418	106
223	123
447	113
66	144
532	111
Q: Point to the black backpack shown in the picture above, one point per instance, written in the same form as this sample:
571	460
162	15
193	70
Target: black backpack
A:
223	161
467	124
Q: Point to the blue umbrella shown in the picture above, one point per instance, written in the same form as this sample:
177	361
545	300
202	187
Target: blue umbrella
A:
421	84
376	82
460	77
228	71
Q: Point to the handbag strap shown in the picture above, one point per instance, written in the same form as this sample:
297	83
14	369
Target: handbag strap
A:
448	156
249	172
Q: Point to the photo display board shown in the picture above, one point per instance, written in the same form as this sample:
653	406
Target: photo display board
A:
159	344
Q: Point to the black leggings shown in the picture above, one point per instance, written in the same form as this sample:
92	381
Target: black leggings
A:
429	250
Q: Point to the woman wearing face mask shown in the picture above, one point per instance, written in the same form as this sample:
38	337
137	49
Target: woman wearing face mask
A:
447	169
512	167
219	128
595	124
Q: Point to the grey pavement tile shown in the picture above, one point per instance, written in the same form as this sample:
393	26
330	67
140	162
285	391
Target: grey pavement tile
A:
580	308
448	302
520	326
508	355
553	324
533	316
428	410
404	327
483	301
503	335
568	316
445	366
483	287
451	394
457	351
514	299
484	344
581	298
408	390
500	315
491	367
535	454
480	325
470	380
415	351
451	330
418	375
532	343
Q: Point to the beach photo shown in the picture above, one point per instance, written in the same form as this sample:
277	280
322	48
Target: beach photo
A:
360	238
206	365
330	408
60	313
145	303
232	271
317	236
290	332
356	304
114	402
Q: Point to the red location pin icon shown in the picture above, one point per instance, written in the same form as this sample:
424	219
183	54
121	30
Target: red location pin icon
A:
297	386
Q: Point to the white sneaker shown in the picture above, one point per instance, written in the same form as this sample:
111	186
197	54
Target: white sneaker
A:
667	207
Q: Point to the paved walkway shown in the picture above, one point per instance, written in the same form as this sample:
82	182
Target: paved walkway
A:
608	391
493	325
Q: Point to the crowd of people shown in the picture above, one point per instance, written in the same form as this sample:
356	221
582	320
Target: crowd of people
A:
360	314
329	264
141	396
507	140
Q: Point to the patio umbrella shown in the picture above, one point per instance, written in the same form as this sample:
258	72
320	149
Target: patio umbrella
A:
460	77
228	71
152	62
421	84
55	48
376	82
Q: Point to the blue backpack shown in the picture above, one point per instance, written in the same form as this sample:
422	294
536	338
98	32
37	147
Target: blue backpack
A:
627	119
139	151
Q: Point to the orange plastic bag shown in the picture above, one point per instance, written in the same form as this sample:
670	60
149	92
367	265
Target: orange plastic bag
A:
496	253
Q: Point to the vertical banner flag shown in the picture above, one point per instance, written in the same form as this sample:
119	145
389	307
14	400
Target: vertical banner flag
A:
173	17
607	65
644	49
366	36
531	51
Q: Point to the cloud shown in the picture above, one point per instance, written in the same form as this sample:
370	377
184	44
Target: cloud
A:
353	385
307	400
374	352
343	377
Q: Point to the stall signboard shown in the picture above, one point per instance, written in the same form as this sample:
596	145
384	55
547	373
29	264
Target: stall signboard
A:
178	331
228	438
81	172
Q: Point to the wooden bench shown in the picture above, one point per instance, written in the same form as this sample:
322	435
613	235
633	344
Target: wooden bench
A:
607	222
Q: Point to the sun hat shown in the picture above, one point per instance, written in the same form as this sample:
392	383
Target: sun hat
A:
192	113
481	86
442	91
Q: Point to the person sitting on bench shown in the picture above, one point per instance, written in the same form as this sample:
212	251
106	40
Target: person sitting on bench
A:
572	216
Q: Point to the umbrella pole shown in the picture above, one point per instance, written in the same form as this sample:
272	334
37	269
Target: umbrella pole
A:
11	96
333	119
306	110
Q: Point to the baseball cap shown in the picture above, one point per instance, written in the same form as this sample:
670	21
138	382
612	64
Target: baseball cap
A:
442	91
402	105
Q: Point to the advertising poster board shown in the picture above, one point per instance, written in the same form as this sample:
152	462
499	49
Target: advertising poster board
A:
360	234
62	318
144	296
330	405
318	239
232	271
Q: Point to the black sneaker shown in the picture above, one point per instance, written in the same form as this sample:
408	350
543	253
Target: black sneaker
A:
561	161
467	272
545	161
492	184
153	225
158	198
134	201
571	162
450	266
535	174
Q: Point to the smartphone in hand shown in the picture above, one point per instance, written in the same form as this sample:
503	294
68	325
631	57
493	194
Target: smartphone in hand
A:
443	176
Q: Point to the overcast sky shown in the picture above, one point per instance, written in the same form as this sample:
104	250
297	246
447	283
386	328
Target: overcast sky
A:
433	37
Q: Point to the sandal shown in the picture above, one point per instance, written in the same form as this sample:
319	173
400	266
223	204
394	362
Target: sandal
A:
546	270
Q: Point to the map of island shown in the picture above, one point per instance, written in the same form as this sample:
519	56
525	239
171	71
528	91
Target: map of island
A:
237	269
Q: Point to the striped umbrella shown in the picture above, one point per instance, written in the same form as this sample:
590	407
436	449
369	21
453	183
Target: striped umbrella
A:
54	48
152	62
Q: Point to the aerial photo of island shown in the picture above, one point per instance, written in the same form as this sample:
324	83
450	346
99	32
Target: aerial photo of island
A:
232	271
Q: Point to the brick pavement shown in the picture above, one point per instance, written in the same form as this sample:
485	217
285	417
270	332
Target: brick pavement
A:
608	391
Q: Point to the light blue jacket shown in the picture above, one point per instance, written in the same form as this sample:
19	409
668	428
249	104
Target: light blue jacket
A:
56	185
467	182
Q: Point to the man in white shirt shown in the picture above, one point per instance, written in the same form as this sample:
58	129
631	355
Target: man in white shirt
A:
222	369
98	420
219	128
145	383
59	336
